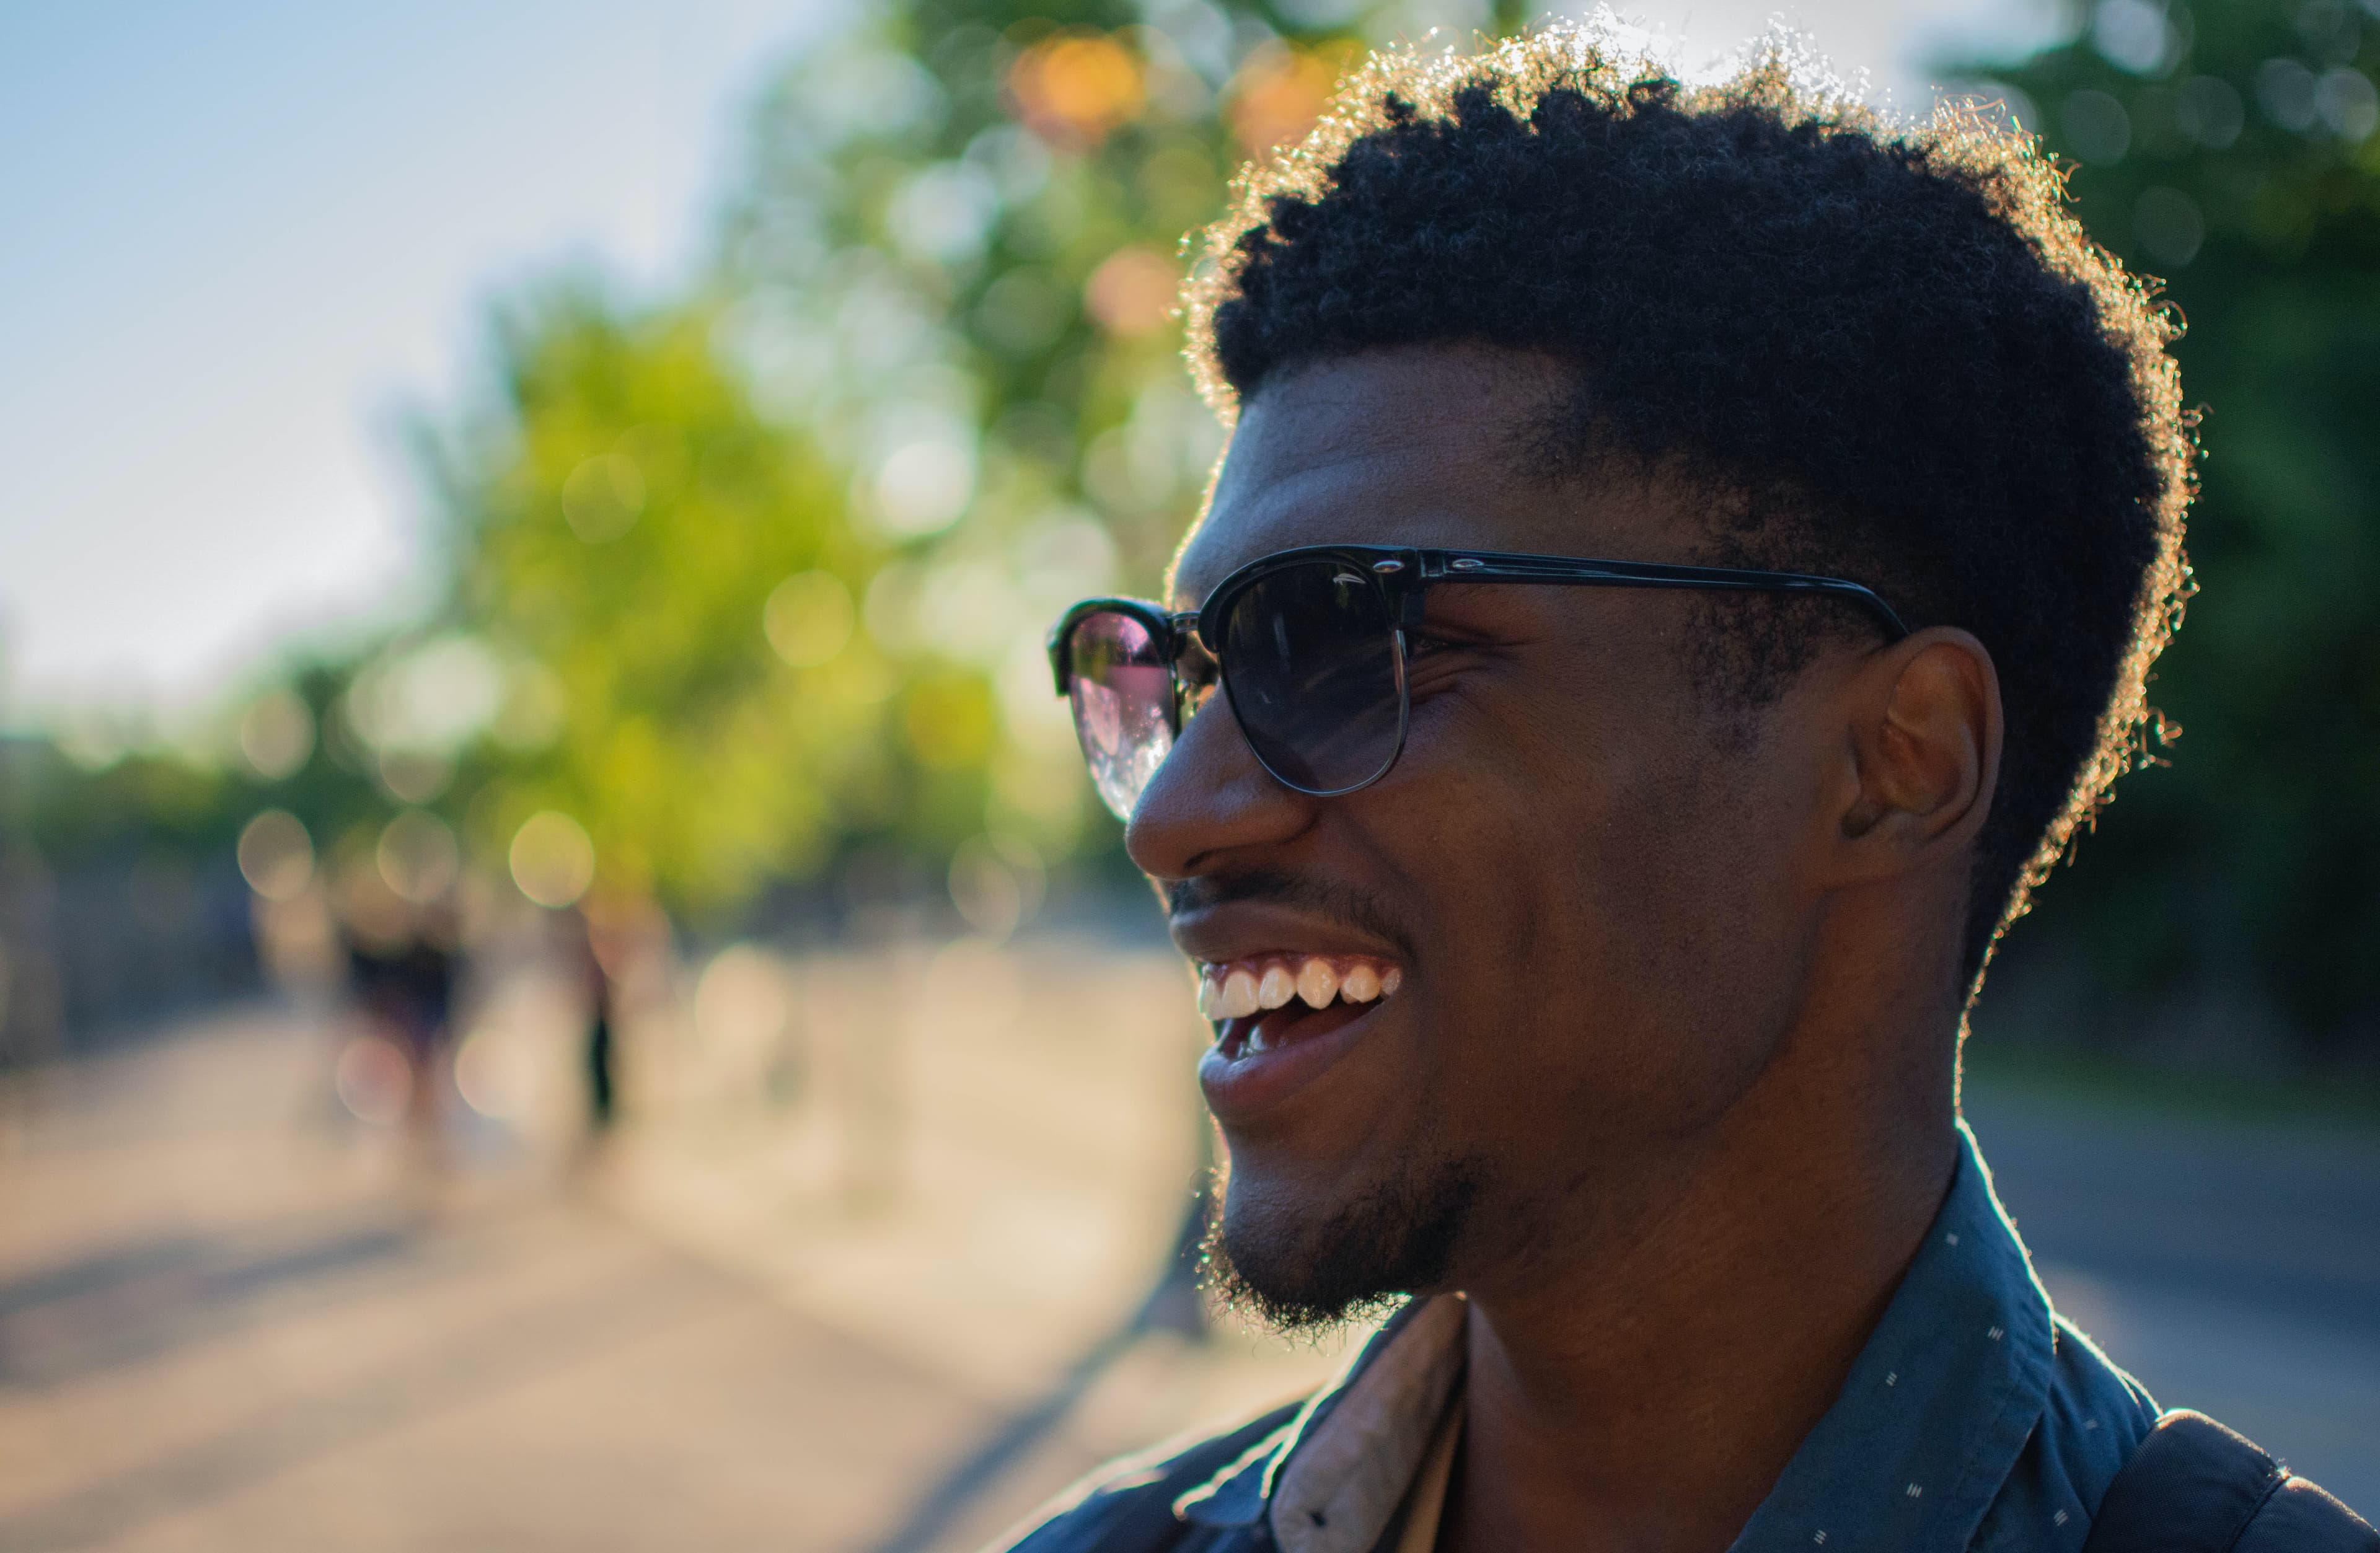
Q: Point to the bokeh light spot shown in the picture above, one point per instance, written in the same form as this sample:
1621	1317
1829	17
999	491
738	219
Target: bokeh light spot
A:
2208	109
418	856
924	485
2097	128
432	696
553	860
1076	87
415	776
2348	103
276	733
2134	35
1133	292
808	618
996	883
2170	227
1278	96
2285	90
373	1080
495	1074
603	497
276	855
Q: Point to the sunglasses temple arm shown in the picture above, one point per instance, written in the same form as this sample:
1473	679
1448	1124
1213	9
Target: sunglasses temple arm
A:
1694	579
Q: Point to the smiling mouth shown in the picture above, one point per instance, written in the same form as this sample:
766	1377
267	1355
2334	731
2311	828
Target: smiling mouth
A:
1264	1003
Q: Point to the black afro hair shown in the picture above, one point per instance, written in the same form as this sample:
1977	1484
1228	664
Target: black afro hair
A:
1891	352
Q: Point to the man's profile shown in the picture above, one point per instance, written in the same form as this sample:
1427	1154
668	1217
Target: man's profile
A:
1685	563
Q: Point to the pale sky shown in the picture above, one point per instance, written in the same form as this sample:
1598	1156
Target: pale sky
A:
238	239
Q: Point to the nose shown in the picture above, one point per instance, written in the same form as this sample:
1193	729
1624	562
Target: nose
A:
1210	797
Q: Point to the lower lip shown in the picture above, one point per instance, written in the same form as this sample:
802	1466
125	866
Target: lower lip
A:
1240	1087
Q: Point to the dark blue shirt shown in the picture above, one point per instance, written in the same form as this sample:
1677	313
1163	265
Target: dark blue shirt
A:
1975	1418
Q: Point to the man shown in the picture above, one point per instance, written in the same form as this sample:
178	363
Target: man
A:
1684	564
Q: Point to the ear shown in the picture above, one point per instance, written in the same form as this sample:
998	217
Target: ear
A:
1923	756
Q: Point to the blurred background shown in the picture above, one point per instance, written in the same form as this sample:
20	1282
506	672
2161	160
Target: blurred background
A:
560	983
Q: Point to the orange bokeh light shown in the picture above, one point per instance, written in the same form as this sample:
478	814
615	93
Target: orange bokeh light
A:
1132	291
1076	87
1277	96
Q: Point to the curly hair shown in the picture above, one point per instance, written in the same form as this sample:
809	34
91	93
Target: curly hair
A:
1890	352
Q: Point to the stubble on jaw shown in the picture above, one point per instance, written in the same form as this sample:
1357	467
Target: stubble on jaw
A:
1304	1279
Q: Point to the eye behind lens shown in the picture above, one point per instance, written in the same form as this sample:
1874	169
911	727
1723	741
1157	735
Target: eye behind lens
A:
1311	658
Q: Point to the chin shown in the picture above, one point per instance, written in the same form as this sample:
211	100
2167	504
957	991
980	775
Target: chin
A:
1299	1267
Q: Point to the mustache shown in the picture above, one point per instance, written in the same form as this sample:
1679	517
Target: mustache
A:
1340	904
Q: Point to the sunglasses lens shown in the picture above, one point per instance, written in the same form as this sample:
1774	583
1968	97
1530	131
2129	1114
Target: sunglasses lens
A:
1310	659
1122	694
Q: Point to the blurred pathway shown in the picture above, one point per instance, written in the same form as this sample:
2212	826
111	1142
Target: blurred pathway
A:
226	1324
230	1318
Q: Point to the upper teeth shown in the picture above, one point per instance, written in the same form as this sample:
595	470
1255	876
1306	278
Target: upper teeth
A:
1236	989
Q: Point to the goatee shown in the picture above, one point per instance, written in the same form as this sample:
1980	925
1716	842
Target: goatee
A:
1397	1238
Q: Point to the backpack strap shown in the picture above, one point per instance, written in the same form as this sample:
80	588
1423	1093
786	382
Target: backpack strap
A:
2195	1487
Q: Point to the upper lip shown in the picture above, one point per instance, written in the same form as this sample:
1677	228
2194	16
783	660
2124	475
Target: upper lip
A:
1241	931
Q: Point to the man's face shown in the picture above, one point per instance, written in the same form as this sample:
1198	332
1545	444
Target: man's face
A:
1585	874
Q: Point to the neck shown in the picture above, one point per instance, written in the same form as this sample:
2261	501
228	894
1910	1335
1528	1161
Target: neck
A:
1645	1391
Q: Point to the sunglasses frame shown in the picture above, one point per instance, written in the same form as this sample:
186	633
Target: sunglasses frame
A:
1403	577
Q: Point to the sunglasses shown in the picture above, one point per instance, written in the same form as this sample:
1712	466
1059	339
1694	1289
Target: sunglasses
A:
1309	646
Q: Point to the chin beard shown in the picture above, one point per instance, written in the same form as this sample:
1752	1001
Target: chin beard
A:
1306	1278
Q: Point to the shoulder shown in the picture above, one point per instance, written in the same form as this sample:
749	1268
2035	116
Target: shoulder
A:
2196	1486
1128	1505
2094	1416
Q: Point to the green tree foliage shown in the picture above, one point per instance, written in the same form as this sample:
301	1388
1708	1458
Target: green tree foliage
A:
188	803
660	585
956	258
2229	146
760	577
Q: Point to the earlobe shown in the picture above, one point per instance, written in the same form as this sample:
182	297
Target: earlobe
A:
1924	749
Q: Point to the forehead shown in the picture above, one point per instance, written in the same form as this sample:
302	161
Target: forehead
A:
1424	446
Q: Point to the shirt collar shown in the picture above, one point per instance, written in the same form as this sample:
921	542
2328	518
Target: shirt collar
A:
1938	1406
1334	1475
1928	1424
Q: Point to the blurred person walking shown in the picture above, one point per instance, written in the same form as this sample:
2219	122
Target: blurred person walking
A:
402	962
583	950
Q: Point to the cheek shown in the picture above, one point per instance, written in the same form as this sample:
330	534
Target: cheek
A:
1607	913
1501	833
1684	911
